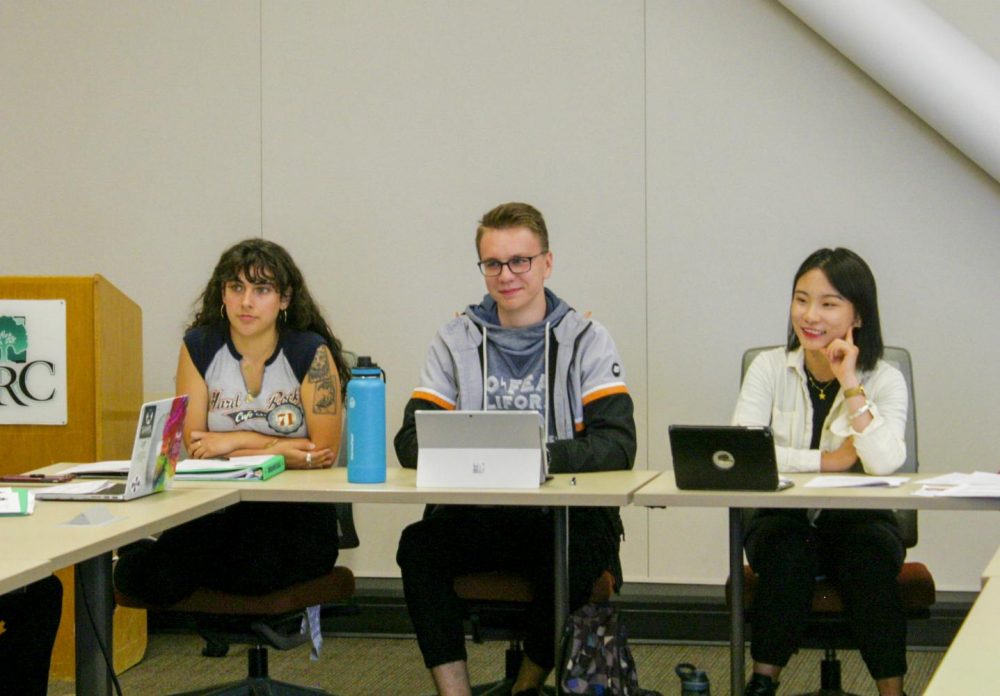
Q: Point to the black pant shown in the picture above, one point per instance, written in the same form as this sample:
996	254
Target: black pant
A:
250	548
454	541
859	550
29	619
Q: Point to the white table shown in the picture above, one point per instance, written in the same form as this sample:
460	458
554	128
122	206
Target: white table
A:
970	666
43	542
17	573
663	492
992	569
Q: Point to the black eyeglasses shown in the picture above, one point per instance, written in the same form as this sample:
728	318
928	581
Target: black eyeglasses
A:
516	264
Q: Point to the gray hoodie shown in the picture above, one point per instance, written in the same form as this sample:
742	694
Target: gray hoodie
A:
454	376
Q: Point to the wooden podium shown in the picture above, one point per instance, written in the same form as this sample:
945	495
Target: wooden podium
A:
104	385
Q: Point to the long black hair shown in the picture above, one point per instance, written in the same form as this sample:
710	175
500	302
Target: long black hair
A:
852	278
261	261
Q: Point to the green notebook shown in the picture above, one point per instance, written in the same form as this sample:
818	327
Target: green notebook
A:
250	468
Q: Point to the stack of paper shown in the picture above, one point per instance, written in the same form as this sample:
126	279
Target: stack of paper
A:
16	501
107	469
979	484
848	481
257	468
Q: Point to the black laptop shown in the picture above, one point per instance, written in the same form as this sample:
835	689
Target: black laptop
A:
725	458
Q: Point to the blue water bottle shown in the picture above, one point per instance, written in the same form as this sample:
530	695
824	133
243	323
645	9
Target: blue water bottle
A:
366	423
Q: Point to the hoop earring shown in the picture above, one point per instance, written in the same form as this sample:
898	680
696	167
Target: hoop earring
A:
284	316
222	311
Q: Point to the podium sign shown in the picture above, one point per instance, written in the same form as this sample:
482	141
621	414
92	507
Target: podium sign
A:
33	362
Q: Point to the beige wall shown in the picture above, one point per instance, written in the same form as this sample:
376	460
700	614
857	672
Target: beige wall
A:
687	156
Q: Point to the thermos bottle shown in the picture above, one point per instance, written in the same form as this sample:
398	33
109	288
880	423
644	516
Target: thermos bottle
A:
694	682
366	423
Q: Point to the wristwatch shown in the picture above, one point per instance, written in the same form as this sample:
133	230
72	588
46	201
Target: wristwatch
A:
855	391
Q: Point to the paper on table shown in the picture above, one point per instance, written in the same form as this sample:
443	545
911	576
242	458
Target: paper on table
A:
78	487
969	490
980	478
979	484
832	481
109	468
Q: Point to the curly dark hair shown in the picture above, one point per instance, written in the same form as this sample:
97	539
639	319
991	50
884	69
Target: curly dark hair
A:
261	261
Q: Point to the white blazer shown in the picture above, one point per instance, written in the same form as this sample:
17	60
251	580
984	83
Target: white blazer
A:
775	393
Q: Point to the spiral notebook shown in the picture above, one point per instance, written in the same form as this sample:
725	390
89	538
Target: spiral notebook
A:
249	468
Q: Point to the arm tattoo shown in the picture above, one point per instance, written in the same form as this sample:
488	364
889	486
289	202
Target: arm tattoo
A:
325	400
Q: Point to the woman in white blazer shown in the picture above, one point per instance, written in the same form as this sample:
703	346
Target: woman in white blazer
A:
834	406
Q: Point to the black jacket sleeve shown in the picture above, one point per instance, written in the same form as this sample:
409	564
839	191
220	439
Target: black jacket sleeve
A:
405	441
607	442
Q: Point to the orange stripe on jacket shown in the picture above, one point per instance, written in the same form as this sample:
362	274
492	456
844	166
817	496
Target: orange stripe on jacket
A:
434	398
600	393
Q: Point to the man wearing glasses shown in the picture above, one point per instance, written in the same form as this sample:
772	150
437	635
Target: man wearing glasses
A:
520	348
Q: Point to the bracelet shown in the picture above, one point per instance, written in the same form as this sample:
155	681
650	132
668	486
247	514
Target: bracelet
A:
864	409
855	391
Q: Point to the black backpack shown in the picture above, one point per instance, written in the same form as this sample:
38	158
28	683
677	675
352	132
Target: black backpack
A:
596	657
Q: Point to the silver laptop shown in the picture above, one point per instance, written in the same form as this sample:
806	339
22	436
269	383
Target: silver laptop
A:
480	449
155	451
725	457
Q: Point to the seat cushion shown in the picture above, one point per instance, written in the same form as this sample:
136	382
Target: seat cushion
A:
503	586
915	583
335	586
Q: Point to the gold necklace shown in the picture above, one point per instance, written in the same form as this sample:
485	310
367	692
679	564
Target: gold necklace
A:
246	369
820	390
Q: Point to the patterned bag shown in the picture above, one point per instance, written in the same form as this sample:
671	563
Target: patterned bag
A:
596	657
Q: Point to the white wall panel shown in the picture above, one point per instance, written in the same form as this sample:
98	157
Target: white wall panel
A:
131	148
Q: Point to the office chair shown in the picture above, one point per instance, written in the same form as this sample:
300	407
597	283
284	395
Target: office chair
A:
497	603
272	620
828	623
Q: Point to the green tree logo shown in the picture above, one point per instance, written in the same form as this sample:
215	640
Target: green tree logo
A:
13	340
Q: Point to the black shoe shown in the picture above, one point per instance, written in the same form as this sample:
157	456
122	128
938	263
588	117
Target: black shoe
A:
761	685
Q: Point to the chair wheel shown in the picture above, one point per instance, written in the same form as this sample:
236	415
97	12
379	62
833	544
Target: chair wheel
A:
214	648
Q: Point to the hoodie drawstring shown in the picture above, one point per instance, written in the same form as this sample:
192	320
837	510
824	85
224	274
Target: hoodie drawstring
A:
486	353
546	379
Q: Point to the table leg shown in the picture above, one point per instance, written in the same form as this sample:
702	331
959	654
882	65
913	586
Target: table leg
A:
736	633
561	564
93	628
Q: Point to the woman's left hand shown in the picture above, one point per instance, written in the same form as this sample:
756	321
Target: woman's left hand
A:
842	355
306	456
